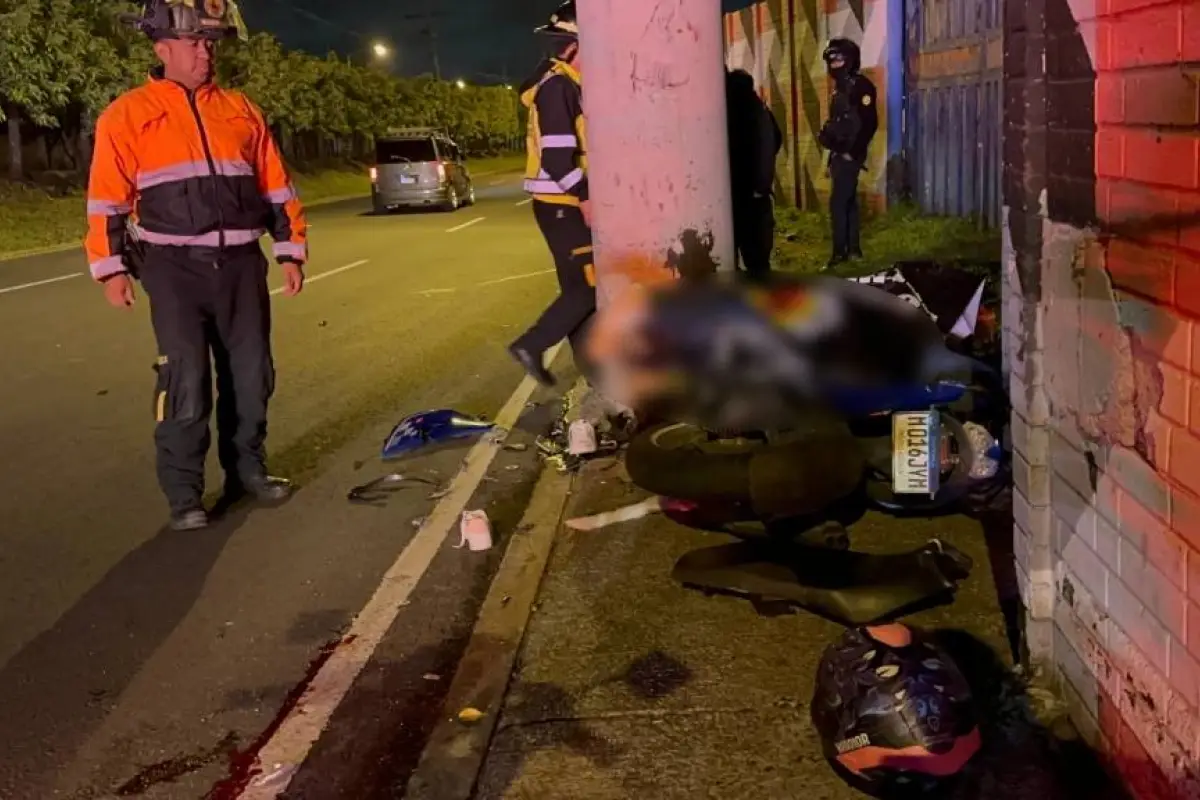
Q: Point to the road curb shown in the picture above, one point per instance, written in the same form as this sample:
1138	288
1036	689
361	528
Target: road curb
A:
456	749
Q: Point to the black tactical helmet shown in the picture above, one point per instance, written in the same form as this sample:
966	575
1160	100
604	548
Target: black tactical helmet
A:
849	52
562	22
174	19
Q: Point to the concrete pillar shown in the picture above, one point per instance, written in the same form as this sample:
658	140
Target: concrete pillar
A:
658	160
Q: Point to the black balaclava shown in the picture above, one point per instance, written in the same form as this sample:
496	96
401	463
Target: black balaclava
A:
850	54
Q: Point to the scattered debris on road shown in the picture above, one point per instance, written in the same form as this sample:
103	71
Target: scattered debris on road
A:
379	489
469	716
475	531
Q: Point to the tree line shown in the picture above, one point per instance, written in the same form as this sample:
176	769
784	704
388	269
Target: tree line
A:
63	61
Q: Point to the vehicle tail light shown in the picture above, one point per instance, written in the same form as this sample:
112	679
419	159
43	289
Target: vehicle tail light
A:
374	173
441	171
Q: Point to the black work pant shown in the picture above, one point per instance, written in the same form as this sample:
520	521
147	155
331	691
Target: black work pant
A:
843	205
568	315
211	311
754	232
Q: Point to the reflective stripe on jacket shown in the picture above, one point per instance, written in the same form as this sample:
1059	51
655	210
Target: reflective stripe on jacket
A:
556	140
188	169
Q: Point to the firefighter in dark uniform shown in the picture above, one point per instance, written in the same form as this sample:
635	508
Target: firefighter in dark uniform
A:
185	180
556	179
846	134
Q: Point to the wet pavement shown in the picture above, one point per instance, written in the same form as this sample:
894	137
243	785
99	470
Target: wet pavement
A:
629	686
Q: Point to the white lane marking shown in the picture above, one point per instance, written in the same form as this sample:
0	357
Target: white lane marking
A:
499	181
526	201
280	758
466	224
522	276
46	281
437	291
322	275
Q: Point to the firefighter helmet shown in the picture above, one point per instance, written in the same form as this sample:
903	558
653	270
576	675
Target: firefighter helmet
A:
174	19
563	22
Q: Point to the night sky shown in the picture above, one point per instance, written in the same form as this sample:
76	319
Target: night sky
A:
479	40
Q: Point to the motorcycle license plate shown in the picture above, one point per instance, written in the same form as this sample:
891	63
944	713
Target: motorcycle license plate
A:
916	462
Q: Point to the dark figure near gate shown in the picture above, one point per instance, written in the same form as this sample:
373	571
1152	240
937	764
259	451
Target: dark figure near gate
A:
754	143
846	134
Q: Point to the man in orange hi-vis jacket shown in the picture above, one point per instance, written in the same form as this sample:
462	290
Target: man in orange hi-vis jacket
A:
186	178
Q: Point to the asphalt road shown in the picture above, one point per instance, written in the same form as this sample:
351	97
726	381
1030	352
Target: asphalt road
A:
135	662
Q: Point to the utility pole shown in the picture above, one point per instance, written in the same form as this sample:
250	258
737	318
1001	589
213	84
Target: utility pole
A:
429	31
658	160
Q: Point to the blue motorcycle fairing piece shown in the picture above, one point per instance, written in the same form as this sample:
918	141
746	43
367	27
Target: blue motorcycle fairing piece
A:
437	426
864	401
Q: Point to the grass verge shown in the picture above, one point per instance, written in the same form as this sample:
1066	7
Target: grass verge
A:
901	233
33	218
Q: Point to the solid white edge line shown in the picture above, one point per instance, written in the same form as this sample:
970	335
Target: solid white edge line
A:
281	757
522	276
322	275
465	225
35	284
525	202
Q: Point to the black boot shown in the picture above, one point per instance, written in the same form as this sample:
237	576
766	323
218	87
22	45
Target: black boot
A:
532	364
264	488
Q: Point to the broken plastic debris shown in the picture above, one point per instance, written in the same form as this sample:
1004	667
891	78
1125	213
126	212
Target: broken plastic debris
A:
475	531
379	488
432	427
469	716
517	447
277	774
651	505
418	522
581	438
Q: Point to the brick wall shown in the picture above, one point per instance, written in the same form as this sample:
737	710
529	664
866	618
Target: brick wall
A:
1102	302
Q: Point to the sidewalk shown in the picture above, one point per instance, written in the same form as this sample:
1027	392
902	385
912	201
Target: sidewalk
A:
627	685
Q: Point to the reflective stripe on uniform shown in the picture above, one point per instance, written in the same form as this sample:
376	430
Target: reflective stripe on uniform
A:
107	208
571	179
105	267
559	140
230	238
193	169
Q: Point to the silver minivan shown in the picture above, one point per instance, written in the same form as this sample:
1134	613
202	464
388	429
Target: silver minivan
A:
419	167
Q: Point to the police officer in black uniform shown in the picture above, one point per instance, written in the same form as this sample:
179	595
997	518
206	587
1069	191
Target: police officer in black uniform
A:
754	143
846	134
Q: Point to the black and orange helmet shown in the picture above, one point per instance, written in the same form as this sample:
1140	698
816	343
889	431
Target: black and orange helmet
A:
893	711
174	19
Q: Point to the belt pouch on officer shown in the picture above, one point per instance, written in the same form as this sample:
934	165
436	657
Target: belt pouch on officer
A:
211	313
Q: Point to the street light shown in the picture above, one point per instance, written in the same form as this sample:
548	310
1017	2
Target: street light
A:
460	83
380	50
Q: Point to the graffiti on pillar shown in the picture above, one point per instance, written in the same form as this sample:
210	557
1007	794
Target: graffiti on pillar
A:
1100	174
691	257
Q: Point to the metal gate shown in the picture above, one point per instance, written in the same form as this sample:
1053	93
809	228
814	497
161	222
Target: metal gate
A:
953	105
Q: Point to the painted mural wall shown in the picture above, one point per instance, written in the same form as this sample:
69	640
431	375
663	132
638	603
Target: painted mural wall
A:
779	42
1102	302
